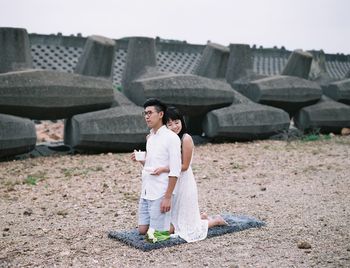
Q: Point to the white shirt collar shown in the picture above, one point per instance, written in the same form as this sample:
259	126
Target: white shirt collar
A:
159	130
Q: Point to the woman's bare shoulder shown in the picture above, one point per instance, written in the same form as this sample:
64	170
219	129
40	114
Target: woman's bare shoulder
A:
187	139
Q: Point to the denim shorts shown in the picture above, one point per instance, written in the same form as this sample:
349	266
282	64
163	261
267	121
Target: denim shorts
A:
149	214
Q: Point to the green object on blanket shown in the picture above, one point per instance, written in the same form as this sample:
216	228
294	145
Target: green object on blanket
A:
155	236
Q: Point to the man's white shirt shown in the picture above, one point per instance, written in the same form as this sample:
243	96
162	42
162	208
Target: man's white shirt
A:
163	150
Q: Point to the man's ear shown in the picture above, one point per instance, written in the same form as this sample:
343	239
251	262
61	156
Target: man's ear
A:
161	113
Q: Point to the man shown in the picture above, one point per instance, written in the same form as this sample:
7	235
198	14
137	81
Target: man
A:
163	149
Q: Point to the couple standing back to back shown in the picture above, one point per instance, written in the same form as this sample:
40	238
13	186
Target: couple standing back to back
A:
169	200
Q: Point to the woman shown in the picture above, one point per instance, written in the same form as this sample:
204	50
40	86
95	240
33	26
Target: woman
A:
186	218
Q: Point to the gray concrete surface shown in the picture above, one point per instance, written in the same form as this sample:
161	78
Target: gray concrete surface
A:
15	51
289	93
298	64
118	129
39	94
339	91
325	116
97	58
17	135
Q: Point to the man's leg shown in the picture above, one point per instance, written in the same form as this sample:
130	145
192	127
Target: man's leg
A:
144	216
159	221
143	229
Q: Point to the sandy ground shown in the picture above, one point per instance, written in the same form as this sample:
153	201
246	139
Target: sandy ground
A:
47	131
56	211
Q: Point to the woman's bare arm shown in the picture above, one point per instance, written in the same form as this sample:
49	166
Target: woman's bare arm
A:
187	149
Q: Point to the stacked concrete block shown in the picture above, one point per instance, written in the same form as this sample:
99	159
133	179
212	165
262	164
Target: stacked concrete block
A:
62	53
213	63
326	116
118	129
192	94
121	100
40	94
240	62
141	55
17	135
298	64
14	50
239	71
245	120
242	83
97	58
318	71
338	91
286	92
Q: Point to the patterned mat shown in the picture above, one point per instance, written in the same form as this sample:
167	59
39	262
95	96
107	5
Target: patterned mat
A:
235	224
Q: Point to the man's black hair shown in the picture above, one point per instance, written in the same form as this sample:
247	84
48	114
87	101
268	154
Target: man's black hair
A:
160	106
172	113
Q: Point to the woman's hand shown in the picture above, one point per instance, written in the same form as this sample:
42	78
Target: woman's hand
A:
160	170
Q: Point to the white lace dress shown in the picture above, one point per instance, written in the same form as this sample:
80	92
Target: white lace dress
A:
185	211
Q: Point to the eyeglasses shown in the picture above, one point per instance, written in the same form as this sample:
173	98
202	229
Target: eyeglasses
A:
148	113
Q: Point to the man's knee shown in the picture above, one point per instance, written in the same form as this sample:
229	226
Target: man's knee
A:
143	229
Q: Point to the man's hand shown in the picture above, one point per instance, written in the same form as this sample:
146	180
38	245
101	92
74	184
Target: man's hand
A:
165	205
133	158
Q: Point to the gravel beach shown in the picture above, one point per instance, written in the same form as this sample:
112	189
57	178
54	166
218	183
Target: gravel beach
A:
56	211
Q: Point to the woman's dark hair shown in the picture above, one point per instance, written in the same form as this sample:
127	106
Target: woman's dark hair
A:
159	106
172	113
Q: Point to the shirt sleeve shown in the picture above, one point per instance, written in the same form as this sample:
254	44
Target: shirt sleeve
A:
174	156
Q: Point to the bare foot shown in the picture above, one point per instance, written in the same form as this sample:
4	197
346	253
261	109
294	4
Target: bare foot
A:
219	220
172	229
204	216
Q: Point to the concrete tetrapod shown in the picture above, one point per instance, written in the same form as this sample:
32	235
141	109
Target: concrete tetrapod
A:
192	94
318	70
97	58
17	135
339	91
240	62
15	52
118	129
286	92
39	94
326	116
213	63
298	64
216	59
121	100
245	120
141	54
